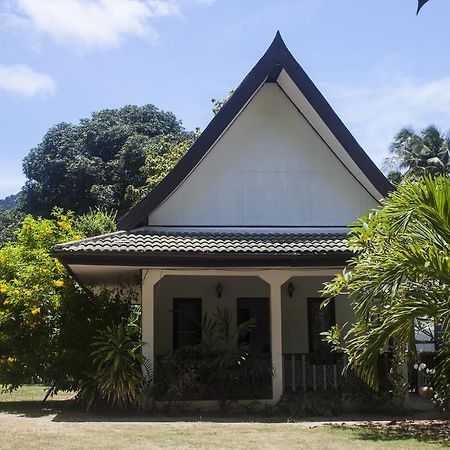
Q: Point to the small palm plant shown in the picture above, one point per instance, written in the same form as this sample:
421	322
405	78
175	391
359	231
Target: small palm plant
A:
118	363
224	360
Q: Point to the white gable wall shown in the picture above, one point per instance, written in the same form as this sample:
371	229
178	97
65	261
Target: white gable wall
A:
270	168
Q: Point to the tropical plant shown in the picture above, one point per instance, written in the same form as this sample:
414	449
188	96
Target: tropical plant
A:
415	155
223	358
399	276
118	363
95	222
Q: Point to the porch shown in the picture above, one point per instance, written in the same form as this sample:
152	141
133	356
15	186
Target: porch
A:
284	302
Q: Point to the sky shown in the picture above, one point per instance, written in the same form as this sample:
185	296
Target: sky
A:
379	65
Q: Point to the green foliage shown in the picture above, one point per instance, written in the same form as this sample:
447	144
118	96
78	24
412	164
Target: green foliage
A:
311	403
47	321
218	104
10	220
415	155
78	167
31	283
399	276
218	367
95	222
117	363
9	202
162	154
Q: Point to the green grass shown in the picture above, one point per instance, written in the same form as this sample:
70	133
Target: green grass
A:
26	423
30	393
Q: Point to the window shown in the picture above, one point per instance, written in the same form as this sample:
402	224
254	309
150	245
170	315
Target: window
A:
187	318
320	320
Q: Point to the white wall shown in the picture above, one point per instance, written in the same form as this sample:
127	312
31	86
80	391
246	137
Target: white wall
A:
295	313
269	168
294	310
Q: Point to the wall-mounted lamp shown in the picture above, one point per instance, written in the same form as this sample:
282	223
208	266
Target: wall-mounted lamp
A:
290	289
219	290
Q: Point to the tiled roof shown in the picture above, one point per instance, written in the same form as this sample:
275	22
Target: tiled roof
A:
142	241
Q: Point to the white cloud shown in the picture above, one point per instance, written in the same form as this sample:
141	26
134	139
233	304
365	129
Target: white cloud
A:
376	113
88	24
22	79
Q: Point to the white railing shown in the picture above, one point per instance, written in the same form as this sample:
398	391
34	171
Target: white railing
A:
301	373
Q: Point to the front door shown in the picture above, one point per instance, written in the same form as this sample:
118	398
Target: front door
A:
258	309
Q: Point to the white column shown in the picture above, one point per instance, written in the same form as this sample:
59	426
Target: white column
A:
149	280
276	279
276	341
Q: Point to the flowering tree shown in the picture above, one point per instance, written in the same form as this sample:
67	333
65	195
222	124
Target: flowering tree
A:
47	322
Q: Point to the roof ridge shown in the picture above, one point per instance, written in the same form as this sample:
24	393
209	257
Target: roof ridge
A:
268	68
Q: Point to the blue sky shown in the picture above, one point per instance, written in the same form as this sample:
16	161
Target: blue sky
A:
379	65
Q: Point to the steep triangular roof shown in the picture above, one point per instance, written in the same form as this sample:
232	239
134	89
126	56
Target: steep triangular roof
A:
276	65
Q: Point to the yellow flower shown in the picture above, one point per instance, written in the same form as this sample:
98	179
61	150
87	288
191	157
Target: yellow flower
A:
65	225
9	360
27	292
35	310
3	289
77	237
58	283
59	266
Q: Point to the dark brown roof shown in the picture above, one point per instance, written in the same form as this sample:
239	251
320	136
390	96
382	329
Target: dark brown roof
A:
143	243
268	68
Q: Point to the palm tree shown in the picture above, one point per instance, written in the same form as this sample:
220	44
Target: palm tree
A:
416	155
399	277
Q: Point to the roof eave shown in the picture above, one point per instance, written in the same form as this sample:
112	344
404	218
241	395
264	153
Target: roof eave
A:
197	259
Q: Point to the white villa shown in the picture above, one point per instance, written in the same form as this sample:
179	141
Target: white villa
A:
254	217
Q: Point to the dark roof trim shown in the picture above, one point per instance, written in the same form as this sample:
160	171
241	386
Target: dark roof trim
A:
267	69
205	260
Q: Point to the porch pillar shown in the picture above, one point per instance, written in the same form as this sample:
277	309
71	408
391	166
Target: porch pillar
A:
276	280
149	280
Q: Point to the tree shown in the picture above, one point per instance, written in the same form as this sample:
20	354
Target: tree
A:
96	222
47	322
218	104
399	277
10	220
78	167
9	202
162	153
415	155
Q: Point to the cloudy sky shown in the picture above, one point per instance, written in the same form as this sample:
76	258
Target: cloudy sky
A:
379	65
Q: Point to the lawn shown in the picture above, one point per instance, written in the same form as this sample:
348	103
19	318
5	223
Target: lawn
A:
26	423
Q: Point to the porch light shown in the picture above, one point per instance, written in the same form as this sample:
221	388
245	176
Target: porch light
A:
290	289
219	290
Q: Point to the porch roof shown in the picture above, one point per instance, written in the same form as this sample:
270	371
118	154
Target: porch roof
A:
146	243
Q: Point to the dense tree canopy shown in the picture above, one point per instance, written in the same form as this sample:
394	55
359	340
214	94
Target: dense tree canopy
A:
399	277
77	167
415	155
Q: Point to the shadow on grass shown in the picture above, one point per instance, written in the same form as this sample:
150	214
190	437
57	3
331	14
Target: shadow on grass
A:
36	408
437	432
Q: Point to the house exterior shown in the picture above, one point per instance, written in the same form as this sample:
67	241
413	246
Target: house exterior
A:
254	218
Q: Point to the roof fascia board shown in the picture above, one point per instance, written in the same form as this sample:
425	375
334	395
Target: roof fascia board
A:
215	129
307	89
268	68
